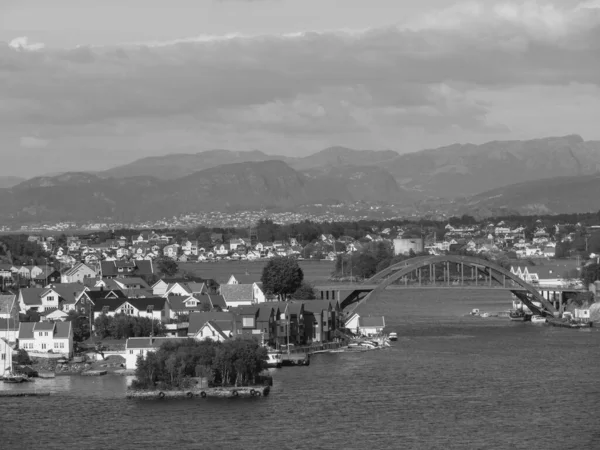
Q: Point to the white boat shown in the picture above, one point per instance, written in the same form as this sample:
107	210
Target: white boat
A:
393	337
475	312
485	315
538	319
274	359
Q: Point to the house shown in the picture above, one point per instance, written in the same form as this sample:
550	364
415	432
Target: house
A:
237	294
155	308
54	296
53	315
130	283
47	275
46	337
211	330
352	322
77	274
140	346
235	243
258	321
182	305
224	320
326	315
371	325
291	323
122	269
171	251
258	295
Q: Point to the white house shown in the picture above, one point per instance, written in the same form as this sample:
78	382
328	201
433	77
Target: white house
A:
211	330
135	347
156	308
352	322
238	294
46	337
77	274
371	326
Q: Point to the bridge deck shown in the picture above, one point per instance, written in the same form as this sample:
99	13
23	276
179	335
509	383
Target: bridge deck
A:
370	287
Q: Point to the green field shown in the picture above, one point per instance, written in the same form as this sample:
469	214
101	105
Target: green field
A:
314	271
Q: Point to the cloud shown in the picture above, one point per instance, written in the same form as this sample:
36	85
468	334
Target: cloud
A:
33	142
22	44
312	86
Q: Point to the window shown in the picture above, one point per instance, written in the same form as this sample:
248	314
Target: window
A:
56	345
3	356
45	333
62	345
149	309
49	298
44	346
131	352
248	322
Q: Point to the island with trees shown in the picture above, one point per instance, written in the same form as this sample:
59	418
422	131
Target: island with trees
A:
191	368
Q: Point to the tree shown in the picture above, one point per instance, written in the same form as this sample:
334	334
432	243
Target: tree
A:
282	276
167	267
306	291
590	273
80	324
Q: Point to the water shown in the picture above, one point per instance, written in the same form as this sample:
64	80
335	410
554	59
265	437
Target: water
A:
450	382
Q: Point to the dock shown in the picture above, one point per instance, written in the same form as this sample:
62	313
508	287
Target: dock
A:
93	373
198	393
23	394
562	324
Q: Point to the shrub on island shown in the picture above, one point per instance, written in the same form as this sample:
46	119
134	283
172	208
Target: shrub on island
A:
236	362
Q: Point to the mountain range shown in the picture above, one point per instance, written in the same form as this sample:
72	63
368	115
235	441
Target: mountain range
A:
549	175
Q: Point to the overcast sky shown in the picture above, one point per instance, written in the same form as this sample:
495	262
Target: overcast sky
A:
89	84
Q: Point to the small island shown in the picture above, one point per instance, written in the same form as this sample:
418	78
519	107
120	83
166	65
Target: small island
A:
190	368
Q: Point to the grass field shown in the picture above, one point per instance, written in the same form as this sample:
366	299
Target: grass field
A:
314	271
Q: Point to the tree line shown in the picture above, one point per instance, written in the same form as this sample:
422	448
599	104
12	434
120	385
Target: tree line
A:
235	362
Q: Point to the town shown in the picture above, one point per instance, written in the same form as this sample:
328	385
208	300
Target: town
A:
125	294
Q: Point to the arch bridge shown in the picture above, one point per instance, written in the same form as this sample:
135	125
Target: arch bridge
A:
443	272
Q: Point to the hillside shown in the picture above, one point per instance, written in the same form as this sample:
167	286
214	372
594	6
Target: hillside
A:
550	196
170	167
464	170
230	187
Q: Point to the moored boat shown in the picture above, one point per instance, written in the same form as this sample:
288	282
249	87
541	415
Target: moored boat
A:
538	319
518	315
274	359
393	336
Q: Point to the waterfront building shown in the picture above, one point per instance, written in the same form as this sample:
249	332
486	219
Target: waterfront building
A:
135	347
46	337
371	325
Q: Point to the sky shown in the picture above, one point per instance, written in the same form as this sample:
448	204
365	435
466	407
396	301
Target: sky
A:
88	84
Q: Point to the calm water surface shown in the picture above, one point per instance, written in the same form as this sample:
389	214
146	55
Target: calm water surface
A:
450	382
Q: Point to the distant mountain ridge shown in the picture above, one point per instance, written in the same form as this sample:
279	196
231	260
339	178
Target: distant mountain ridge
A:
453	171
230	187
548	196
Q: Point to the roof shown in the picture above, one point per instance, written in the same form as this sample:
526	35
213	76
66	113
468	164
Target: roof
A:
244	279
215	326
371	321
247	310
319	305
177	302
63	330
75	269
217	300
158	303
225	320
95	295
237	292
139	267
69	292
132	281
111	303
26	330
43	326
146	342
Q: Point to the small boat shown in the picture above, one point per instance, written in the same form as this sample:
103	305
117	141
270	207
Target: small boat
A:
393	337
538	319
485	315
10	377
518	315
474	312
274	359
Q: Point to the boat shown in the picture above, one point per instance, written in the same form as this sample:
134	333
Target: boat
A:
485	315
274	359
538	319
518	315
474	312
393	337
